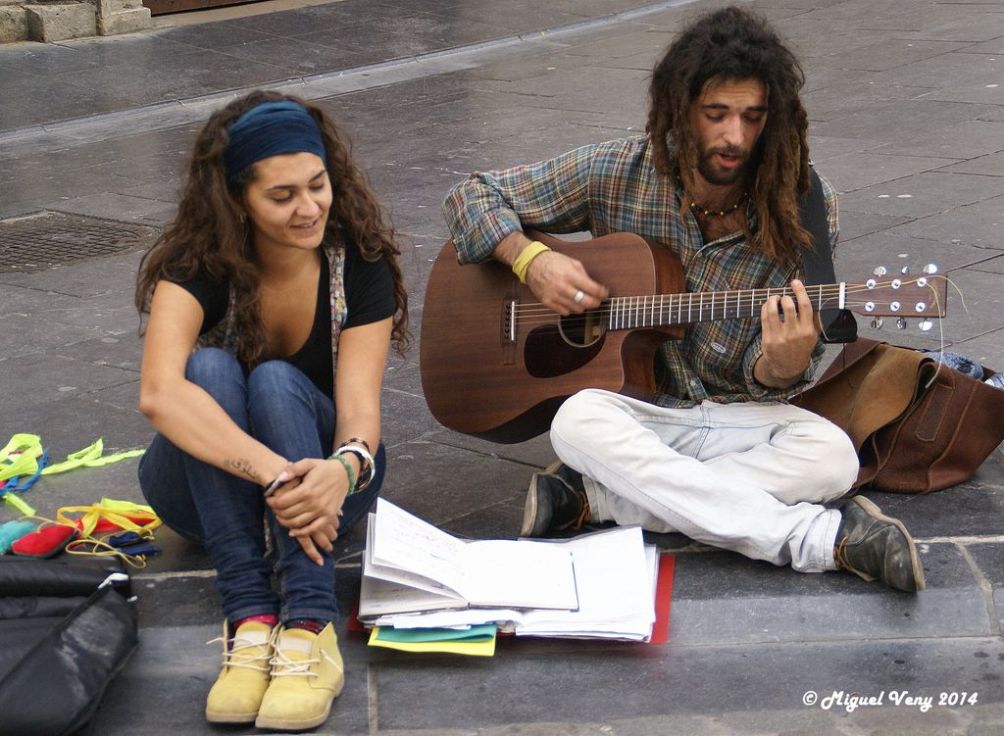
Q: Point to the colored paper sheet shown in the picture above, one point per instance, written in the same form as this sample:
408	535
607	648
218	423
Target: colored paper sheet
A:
450	641
663	599
471	634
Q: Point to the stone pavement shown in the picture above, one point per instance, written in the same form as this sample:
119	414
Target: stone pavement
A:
907	115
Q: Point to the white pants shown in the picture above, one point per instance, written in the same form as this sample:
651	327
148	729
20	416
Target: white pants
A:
747	477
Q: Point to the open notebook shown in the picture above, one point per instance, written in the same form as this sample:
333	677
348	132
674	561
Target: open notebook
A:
613	579
410	565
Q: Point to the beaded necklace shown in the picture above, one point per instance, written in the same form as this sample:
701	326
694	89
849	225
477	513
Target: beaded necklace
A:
703	211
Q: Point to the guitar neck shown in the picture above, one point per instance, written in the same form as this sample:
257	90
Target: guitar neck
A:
661	310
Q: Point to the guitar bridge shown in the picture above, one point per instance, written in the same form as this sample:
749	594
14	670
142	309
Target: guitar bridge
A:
508	336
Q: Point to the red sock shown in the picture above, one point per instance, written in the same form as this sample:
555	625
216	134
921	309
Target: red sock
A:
266	618
308	624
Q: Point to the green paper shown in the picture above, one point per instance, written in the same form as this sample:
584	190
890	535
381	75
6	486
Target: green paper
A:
484	632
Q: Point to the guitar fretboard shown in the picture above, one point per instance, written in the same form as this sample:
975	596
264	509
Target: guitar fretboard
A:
630	312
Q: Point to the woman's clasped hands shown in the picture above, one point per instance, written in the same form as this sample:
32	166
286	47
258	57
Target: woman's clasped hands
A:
309	503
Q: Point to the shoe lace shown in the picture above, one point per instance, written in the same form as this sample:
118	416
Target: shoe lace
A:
283	666
583	518
843	563
236	653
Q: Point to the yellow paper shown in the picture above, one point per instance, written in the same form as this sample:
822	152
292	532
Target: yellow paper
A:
473	649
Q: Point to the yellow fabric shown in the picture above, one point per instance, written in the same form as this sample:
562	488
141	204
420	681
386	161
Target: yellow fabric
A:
117	512
21	454
522	262
90	457
27	449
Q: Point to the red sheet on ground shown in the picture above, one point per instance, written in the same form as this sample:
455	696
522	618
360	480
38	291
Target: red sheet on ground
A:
663	598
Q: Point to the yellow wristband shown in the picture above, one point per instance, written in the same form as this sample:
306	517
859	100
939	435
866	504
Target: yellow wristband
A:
522	262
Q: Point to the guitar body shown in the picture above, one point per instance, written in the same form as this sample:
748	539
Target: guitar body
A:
488	375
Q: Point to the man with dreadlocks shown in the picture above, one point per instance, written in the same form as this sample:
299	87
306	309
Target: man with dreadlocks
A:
718	455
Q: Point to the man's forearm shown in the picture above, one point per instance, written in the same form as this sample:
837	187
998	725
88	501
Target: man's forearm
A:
510	247
765	377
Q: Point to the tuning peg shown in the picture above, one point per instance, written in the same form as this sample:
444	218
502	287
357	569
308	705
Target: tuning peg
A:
876	323
901	323
880	271
930	268
926	325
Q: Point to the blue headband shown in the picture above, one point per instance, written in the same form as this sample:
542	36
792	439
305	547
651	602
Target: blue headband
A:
271	129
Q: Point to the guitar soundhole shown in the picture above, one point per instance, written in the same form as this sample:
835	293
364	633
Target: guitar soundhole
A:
581	330
548	352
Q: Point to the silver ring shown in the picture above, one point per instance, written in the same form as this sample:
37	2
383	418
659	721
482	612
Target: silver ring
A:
579	296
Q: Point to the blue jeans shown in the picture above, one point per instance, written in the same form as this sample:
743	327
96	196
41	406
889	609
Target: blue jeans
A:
283	409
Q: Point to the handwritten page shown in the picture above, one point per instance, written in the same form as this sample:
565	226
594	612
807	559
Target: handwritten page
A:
406	543
381	597
404	550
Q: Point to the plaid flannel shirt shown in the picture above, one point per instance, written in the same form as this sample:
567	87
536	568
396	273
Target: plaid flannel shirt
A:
614	187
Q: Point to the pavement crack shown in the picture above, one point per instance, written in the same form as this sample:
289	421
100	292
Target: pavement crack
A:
372	715
985	586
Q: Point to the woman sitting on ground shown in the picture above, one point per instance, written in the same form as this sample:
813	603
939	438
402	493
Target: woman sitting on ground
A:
273	298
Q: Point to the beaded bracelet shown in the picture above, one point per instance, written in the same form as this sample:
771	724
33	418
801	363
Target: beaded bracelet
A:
348	471
365	463
355	441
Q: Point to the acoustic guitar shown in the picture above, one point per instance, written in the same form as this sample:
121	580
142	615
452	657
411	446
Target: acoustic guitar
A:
497	364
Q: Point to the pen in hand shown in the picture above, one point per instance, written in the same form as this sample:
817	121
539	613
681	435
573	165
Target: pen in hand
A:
279	480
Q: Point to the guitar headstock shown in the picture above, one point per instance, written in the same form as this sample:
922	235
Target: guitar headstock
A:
924	297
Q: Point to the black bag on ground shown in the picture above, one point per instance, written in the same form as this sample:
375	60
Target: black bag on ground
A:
64	634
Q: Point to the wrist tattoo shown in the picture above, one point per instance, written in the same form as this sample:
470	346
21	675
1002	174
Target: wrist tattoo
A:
244	467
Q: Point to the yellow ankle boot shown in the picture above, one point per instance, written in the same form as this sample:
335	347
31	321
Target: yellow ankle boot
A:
237	692
306	677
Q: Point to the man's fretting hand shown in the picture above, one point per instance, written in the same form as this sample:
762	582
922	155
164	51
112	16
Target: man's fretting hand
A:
790	333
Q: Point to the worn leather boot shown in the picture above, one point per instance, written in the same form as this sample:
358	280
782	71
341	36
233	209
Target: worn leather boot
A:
307	675
555	502
237	692
874	546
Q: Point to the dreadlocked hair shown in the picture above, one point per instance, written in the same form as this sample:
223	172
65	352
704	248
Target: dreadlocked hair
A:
210	236
732	44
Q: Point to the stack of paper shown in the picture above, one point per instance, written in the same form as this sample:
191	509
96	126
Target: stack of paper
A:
476	641
599	585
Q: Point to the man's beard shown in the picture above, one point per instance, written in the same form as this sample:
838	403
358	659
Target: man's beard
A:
722	177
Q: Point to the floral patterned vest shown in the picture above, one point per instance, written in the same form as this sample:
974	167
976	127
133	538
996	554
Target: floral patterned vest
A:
223	335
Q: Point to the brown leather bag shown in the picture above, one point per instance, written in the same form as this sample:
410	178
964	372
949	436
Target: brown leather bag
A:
918	426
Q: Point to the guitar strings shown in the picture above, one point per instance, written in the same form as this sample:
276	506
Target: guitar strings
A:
533	312
830	292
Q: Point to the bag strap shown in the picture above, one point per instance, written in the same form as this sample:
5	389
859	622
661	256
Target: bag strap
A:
849	355
839	325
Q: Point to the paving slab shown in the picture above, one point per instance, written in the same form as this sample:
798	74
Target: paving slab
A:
899	105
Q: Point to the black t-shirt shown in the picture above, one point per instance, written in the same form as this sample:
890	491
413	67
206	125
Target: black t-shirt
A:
369	297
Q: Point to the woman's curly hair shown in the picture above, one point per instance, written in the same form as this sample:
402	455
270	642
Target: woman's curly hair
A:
210	236
732	44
